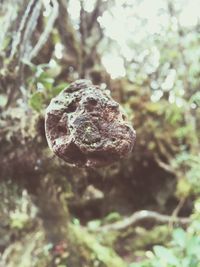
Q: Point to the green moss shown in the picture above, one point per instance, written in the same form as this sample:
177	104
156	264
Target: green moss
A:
105	255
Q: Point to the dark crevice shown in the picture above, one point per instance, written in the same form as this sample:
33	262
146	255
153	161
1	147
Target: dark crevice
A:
72	107
75	154
92	102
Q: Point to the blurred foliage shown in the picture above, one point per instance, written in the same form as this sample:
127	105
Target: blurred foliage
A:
182	248
43	78
52	214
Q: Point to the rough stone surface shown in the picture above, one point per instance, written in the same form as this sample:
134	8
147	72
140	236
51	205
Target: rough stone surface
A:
86	127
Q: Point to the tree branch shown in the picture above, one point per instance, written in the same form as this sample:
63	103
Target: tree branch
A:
44	36
139	216
31	25
68	35
19	35
164	166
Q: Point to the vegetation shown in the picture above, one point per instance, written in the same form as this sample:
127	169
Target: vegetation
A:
143	211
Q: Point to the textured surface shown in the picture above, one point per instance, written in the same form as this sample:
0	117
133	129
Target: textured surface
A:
86	127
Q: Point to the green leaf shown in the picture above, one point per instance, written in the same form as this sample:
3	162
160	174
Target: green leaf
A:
165	255
36	101
47	83
18	220
112	217
180	237
193	246
3	100
94	224
57	89
196	99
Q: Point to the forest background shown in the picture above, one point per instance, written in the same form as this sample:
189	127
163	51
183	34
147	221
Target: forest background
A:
143	211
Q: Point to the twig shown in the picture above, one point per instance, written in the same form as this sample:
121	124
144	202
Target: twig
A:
43	38
6	22
164	165
176	212
100	6
18	35
25	46
83	24
68	35
142	215
31	25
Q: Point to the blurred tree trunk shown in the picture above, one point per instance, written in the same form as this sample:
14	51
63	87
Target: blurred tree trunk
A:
28	37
